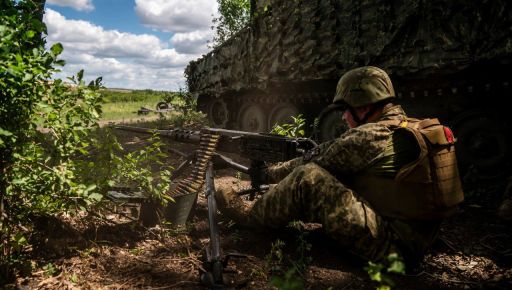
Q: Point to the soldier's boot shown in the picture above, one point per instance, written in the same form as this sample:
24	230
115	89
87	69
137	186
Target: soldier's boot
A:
231	205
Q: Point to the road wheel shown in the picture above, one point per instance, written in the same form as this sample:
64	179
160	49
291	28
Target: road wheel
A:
252	118
218	113
330	124
282	114
481	144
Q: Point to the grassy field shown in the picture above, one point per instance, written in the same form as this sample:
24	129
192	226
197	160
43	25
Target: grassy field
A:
122	105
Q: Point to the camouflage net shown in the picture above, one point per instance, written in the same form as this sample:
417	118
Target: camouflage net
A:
302	40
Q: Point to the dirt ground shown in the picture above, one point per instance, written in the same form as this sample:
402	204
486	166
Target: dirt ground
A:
474	250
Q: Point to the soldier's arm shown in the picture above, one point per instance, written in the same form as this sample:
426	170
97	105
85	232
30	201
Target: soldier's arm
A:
280	170
355	150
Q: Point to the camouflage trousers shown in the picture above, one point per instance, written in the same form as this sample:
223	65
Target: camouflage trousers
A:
311	194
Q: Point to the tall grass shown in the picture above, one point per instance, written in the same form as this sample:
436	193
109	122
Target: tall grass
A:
123	105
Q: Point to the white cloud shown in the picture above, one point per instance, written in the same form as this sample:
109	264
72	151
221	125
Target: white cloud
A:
191	42
177	16
82	36
80	5
123	59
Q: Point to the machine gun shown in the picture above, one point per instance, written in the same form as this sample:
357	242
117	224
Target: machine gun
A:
259	148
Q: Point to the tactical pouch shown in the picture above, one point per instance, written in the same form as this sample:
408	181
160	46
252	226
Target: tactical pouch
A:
428	188
436	167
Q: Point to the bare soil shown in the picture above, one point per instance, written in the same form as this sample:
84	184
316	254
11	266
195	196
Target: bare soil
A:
474	250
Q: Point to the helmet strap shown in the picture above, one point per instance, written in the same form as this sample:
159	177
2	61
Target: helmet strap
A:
355	116
368	114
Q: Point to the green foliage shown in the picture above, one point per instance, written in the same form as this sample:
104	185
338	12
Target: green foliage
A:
289	279
125	104
193	118
108	165
135	170
73	278
25	67
186	104
54	159
294	129
50	270
43	176
116	96
234	15
302	262
45	134
380	273
274	259
182	101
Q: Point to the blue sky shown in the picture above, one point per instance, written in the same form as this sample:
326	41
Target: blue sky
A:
138	44
111	14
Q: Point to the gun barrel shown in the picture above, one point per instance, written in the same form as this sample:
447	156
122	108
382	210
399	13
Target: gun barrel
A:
135	129
181	135
255	146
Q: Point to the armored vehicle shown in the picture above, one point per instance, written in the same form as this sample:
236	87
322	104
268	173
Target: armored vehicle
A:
447	59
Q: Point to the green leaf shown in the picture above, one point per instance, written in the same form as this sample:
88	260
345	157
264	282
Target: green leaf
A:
20	239
95	196
80	75
30	34
397	267
56	49
73	279
60	62
90	187
5	132
376	276
27	77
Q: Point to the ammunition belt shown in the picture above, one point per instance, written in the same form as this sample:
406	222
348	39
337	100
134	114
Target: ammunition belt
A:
194	182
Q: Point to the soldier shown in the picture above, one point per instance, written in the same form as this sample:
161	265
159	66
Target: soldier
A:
383	186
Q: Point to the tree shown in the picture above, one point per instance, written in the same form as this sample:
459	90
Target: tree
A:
38	170
234	15
48	128
24	68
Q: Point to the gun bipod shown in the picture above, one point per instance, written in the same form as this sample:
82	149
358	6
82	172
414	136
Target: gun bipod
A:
213	262
211	273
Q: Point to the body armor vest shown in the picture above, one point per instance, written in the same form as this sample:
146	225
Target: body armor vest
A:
428	188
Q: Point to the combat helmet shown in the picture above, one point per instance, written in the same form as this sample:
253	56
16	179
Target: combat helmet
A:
363	86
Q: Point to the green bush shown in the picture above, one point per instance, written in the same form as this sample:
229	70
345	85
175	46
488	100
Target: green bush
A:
294	129
112	96
380	272
292	277
48	132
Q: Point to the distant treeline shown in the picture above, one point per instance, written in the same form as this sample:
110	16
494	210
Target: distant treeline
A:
124	95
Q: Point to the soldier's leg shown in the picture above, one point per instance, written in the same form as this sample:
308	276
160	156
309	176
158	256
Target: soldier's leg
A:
312	194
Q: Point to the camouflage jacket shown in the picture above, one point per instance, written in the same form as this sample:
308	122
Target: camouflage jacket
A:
355	150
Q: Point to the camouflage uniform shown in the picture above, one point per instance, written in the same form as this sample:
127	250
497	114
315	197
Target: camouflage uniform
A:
316	191
371	157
